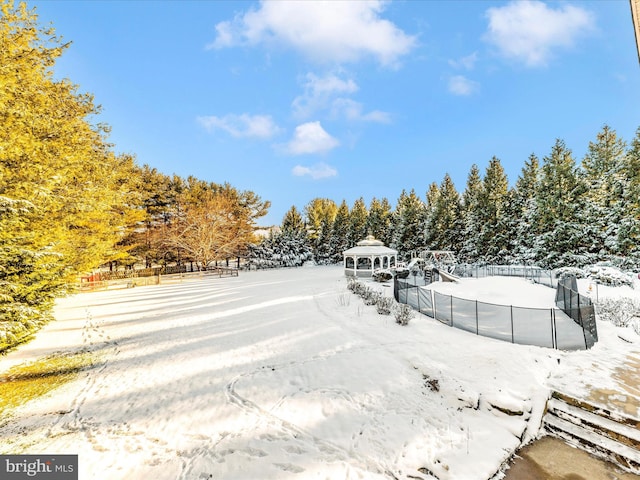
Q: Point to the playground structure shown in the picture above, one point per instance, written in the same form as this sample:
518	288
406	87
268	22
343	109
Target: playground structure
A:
430	264
443	260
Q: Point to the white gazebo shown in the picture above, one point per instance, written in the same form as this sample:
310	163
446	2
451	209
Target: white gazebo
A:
369	255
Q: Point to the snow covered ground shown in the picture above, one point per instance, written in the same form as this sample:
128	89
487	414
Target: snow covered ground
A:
284	374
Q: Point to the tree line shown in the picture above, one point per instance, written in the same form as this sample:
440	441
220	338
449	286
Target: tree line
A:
69	204
559	212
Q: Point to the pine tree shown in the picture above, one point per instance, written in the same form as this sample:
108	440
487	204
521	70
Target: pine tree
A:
379	220
447	224
561	238
293	222
471	217
339	241
409	224
603	172
525	212
320	214
52	156
629	233
430	228
357	222
491	208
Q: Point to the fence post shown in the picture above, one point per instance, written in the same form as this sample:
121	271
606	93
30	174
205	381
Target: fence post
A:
580	313
477	322
451	299
553	343
512	336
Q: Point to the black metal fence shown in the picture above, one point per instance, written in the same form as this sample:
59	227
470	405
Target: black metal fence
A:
537	274
545	327
578	307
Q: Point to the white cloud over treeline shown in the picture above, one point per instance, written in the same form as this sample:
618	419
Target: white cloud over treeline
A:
530	31
242	126
310	138
339	31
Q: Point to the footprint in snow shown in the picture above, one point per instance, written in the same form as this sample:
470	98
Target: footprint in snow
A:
288	467
294	449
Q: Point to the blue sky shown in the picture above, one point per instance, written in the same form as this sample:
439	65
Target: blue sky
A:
297	100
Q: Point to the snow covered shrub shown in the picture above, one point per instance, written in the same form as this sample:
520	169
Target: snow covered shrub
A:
370	297
382	275
606	275
360	289
402	272
566	271
403	313
384	305
622	312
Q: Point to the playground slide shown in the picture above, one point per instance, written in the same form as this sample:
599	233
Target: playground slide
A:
447	277
413	262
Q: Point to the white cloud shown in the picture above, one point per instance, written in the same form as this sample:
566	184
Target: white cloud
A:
337	31
311	138
352	110
466	63
530	31
318	92
461	85
317	172
327	93
242	126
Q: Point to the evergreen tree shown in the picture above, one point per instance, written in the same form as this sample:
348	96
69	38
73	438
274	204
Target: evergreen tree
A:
379	220
409	224
320	213
603	172
339	241
525	212
430	228
67	201
293	222
491	208
357	222
446	221
470	217
29	279
561	237
629	233
285	249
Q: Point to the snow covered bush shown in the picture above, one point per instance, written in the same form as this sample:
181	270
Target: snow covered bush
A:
370	297
382	275
403	313
607	275
622	312
384	305
599	273
567	271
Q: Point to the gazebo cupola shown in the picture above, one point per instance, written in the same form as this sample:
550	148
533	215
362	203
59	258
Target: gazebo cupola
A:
369	255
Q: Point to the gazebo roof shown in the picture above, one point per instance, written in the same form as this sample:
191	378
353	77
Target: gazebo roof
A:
370	246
